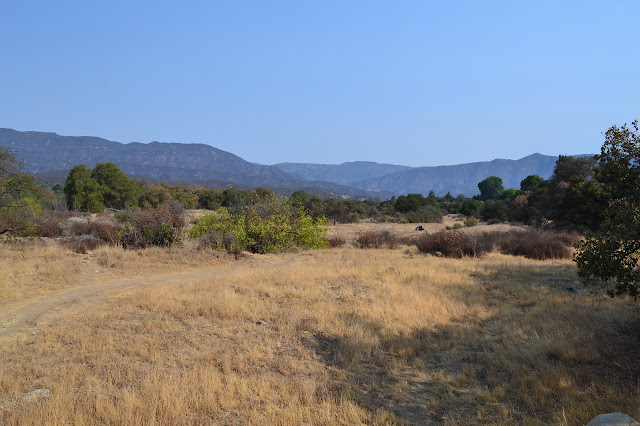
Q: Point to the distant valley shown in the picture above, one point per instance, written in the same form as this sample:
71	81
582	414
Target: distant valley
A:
51	156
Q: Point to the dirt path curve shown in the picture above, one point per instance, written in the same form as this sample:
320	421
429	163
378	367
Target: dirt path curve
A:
27	318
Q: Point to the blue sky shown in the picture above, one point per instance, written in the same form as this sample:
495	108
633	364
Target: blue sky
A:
404	82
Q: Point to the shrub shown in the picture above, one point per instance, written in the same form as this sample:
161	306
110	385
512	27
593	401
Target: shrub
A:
79	228
107	231
570	238
427	214
457	225
376	240
471	221
450	243
161	226
336	241
82	244
48	226
269	227
535	244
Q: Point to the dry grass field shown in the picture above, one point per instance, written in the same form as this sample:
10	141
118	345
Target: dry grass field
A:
350	231
337	336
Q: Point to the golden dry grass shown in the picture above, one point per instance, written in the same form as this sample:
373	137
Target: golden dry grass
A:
349	231
335	337
32	268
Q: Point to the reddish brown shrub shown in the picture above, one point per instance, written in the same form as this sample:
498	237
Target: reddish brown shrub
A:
161	226
451	243
336	241
376	240
82	244
448	243
78	229
48	227
535	244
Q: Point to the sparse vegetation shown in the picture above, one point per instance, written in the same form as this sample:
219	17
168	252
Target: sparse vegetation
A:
286	339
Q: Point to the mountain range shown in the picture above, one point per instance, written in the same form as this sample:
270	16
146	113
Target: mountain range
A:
50	156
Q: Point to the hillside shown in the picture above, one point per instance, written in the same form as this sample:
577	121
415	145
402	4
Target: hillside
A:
345	173
462	178
51	156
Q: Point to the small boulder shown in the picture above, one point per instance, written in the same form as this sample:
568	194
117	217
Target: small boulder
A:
37	395
260	322
613	419
393	270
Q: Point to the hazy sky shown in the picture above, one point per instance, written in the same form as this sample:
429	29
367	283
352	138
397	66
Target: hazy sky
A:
404	82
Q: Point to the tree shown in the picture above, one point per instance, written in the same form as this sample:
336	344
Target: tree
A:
612	253
19	195
412	203
82	191
491	188
531	183
568	167
118	191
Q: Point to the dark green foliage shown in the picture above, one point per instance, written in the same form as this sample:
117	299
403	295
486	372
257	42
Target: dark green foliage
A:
118	191
531	183
340	211
494	211
568	168
82	191
412	202
490	188
426	214
471	207
613	252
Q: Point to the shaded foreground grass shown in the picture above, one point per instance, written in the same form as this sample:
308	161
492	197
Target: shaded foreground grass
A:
336	337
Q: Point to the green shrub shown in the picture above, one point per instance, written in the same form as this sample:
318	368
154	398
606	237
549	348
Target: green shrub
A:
471	221
269	227
457	225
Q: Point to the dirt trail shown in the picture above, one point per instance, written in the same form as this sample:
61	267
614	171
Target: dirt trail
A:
26	318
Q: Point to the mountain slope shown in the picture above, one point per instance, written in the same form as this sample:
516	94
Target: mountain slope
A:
44	153
460	179
345	173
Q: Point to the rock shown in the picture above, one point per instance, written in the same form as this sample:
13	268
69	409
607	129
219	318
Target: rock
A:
393	270
574	289
260	322
613	419
438	254
37	395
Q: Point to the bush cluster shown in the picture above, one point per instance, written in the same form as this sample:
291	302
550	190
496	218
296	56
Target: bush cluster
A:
269	227
535	244
160	226
336	241
376	240
532	243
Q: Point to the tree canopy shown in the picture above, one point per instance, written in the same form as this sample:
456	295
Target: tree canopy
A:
613	252
491	188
